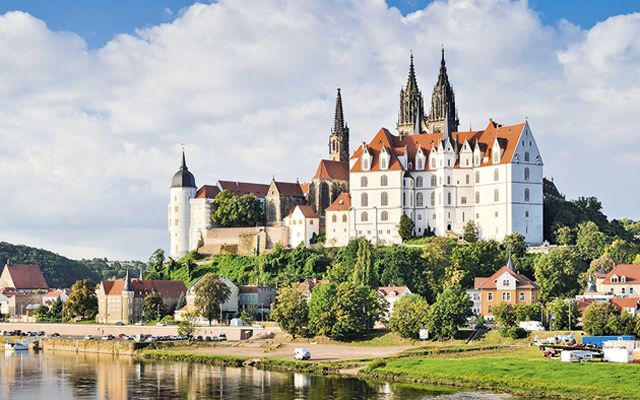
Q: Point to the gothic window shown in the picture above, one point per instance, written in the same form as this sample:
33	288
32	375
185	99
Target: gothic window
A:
526	156
344	218
364	217
365	163
383	180
419	181
383	162
526	195
449	198
419	163
433	199
433	181
419	200
526	173
364	181
334	218
384	216
477	176
467	179
463	200
325	200
477	197
384	199
496	174
433	162
496	195
364	200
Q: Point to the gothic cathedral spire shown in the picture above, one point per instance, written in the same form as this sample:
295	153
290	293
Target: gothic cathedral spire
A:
411	106
443	116
339	138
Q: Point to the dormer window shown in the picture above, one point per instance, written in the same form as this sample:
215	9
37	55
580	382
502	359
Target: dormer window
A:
419	163
623	279
383	163
433	162
614	279
496	155
365	163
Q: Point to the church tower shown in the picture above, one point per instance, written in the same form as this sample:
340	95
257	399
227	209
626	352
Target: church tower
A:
411	113
443	116
339	138
183	189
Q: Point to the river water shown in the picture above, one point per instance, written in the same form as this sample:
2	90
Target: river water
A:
61	376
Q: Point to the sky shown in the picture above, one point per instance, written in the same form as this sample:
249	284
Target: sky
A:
96	98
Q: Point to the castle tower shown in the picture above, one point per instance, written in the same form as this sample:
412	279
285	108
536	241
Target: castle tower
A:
443	116
183	189
339	138
411	113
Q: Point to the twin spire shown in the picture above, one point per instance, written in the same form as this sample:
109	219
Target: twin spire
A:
339	138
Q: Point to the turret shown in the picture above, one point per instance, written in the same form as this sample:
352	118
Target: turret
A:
411	115
183	189
443	115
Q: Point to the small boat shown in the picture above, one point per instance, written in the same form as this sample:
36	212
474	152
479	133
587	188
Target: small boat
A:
16	346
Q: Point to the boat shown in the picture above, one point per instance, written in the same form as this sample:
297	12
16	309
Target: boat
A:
16	346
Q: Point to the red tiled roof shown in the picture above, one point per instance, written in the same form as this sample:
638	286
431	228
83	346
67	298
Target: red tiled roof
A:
207	192
583	304
305	188
257	189
289	189
163	287
625	302
27	276
342	203
387	290
307	211
522	282
328	169
631	272
309	284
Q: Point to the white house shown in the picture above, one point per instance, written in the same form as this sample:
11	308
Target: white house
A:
337	221
228	310
391	294
53	295
303	224
623	280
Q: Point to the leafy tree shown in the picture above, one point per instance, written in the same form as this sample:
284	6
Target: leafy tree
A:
621	324
401	266
596	316
55	310
187	325
481	258
529	312
621	251
410	314
291	312
562	311
505	315
182	301
602	263
42	314
437	255
590	241
470	232
339	272
450	311
211	293
514	243
355	310
405	228
556	273
155	265
591	209
234	210
247	316
564	235
153	307
321	313
363	273
82	302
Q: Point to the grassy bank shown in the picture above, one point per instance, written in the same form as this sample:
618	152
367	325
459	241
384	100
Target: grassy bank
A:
517	374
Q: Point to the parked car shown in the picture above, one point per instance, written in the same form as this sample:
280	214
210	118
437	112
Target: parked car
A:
138	323
222	337
108	337
119	323
301	354
88	337
161	324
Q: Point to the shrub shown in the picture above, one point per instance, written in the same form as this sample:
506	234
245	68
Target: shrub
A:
513	332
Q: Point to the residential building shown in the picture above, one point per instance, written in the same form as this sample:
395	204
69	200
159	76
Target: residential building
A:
303	224
630	305
55	294
23	278
474	295
256	297
623	280
391	294
228	310
337	230
307	286
505	286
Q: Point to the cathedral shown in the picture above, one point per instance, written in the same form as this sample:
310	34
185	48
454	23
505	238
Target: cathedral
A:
440	177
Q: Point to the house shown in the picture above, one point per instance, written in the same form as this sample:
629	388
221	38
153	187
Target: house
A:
307	286
228	310
260	298
337	221
23	278
303	224
630	305
391	294
623	280
53	295
507	286
122	300
474	295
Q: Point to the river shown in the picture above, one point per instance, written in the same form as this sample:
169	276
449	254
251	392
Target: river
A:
61	376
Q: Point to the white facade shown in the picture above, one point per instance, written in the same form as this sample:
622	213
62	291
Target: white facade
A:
199	220
179	219
337	228
302	224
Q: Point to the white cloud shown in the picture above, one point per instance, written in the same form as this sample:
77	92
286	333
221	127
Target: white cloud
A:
90	139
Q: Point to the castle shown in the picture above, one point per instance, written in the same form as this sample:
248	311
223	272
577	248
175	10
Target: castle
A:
440	177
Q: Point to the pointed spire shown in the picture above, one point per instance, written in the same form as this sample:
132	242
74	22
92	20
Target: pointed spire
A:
412	82
510	263
127	282
591	287
443	79
338	120
183	167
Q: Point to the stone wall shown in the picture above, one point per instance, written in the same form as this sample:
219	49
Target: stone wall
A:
115	347
243	241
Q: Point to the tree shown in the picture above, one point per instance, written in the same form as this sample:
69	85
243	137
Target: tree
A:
450	311
621	324
564	235
596	316
211	293
410	314
401	266
564	314
187	325
590	241
182	301
354	311
505	315
155	265
42	314
321	316
621	251
556	273
600	264
291	312
405	228
363	270
470	233
514	243
82	302
529	312
234	210
153	307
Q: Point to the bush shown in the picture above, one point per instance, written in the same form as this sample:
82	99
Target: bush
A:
410	314
513	332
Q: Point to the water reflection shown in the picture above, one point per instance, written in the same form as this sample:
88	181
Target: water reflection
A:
93	376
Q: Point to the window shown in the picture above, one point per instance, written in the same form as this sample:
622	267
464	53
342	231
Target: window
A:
526	174
334	218
496	195
526	156
449	198
364	200
496	174
614	280
384	216
419	200
630	290
433	181
344	218
526	214
364	217
433	162
521	296
506	296
419	181
433	199
477	176
622	290
404	199
311	222
463	200
383	180
365	164
467	179
505	282
526	195
384	199
419	217
477	197
448	180
364	182
490	296
419	163
383	162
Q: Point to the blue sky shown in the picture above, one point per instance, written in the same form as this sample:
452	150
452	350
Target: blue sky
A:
97	21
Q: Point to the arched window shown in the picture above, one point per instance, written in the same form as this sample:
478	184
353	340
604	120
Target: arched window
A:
384	199
418	163
334	218
384	216
477	197
364	217
526	173
449	198
496	174
419	181
496	195
419	200
463	200
344	218
364	182
526	195
467	179
433	199
434	181
526	156
477	176
364	200
383	180
448	180
383	162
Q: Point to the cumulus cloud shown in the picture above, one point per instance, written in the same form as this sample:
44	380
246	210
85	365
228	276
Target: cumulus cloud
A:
90	138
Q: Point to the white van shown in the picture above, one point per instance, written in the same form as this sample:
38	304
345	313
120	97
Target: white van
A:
531	326
301	354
